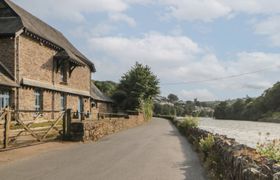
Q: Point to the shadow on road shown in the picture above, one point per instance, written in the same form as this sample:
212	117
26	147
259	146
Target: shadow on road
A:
191	166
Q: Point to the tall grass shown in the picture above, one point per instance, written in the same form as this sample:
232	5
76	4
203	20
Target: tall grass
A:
189	122
147	107
270	150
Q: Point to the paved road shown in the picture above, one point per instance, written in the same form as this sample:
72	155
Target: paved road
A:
245	132
154	151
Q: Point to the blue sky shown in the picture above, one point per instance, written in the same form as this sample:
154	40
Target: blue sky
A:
182	41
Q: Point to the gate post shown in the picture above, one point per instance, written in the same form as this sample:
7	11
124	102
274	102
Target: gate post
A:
67	124
7	128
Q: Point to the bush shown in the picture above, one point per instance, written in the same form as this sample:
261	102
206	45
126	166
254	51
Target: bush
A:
206	144
189	122
270	150
148	109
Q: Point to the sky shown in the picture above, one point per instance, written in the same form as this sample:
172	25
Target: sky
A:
185	42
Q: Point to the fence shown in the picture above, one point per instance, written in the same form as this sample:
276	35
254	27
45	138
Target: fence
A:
19	128
24	127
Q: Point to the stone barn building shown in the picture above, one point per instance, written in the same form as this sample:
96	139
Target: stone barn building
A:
100	102
39	68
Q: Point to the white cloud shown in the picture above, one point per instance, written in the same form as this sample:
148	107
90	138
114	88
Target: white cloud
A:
72	10
254	6
175	58
191	10
153	47
200	94
270	28
208	10
179	59
119	17
257	85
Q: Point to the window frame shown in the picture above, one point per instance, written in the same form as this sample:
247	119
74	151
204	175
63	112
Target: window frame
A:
63	100
38	106
63	73
5	98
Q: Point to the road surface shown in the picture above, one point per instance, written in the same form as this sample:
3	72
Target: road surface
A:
245	132
155	151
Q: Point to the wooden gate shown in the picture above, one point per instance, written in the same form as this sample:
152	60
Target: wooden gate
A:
27	127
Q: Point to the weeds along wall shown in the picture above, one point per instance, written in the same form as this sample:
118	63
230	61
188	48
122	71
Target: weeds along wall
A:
226	159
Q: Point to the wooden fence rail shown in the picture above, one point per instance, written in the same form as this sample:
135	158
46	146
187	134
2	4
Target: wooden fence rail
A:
24	127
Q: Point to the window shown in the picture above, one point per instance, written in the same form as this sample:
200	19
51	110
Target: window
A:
63	73
4	99
38	100
62	102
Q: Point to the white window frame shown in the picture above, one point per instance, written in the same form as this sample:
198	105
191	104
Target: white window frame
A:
38	100
62	102
4	99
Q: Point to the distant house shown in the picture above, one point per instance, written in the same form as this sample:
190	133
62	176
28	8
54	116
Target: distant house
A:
40	69
163	101
100	102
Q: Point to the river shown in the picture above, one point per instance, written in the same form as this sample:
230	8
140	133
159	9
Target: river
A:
245	132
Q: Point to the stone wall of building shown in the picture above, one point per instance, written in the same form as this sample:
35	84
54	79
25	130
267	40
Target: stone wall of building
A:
36	63
26	98
51	102
7	53
72	103
94	130
104	107
80	79
35	60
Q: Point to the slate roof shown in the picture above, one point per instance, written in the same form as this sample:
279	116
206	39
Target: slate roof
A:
6	77
5	81
23	20
96	94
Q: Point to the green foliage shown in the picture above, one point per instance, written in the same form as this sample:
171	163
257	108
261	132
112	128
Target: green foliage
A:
271	98
164	109
181	109
271	116
138	85
270	150
206	144
148	109
172	98
262	107
221	110
107	87
189	122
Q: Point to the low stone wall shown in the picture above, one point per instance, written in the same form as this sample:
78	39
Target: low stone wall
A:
229	160
94	130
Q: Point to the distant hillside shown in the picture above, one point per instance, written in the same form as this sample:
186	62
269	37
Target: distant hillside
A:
265	107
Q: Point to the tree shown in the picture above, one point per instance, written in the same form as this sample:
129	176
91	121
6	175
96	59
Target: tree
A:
139	85
189	108
221	110
107	87
172	98
271	98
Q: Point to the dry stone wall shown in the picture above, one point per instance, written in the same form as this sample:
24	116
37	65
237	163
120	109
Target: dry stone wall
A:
230	160
95	130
